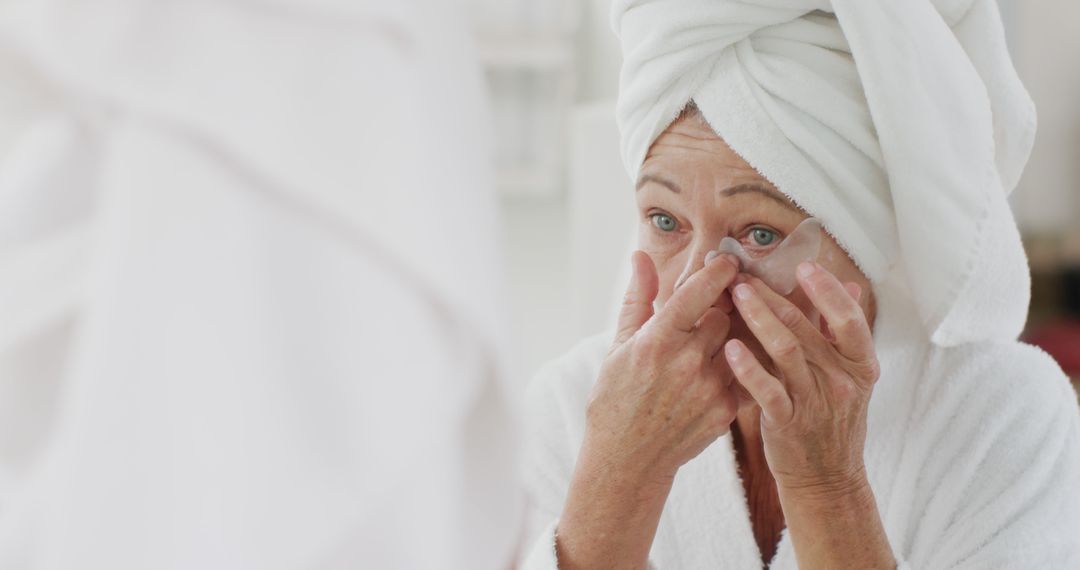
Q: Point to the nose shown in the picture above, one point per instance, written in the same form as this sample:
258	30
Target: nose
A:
697	259
694	262
699	255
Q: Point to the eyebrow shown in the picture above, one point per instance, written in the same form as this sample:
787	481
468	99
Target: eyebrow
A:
748	187
756	188
658	180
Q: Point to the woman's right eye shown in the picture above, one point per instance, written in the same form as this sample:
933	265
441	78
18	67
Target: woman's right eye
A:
664	222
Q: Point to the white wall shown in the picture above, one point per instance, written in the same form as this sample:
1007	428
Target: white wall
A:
1046	49
567	251
21	96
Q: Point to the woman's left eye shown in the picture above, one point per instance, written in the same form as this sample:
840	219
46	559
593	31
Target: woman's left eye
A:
664	222
763	237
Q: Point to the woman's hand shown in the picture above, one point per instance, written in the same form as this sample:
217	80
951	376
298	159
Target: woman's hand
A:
661	398
814	413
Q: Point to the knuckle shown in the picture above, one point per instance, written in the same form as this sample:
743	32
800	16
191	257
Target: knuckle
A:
864	371
633	298
874	369
844	390
849	322
773	397
718	419
870	370
785	347
789	316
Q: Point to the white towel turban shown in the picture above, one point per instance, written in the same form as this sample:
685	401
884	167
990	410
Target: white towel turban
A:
900	124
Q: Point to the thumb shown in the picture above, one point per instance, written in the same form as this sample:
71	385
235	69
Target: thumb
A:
637	304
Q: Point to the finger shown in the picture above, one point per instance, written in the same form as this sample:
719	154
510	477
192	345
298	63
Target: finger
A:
789	315
637	307
842	313
768	391
711	331
775	337
703	289
855	291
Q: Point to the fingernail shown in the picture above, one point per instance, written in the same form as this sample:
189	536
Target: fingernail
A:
806	269
733	349
744	291
711	256
857	291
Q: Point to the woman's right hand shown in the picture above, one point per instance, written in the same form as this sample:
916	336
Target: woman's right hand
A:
664	391
664	394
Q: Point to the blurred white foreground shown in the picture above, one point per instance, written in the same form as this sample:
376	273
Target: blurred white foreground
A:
248	291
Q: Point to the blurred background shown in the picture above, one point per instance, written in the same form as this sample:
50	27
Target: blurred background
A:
567	207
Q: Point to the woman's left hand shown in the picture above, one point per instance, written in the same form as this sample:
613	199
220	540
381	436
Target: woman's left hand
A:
814	415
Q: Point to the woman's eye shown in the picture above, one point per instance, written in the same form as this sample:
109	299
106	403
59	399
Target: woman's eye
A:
664	222
762	236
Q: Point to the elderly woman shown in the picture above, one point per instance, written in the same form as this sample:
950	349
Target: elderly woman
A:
881	413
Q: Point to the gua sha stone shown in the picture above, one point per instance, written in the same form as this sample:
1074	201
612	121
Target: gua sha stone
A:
777	269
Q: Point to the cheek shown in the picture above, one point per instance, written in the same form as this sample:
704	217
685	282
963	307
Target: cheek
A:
833	258
669	259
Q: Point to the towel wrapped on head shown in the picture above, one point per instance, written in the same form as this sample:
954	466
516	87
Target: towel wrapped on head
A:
902	126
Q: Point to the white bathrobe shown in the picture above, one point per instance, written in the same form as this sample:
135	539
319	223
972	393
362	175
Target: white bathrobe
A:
973	454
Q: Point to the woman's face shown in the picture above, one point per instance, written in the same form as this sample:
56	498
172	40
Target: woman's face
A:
694	191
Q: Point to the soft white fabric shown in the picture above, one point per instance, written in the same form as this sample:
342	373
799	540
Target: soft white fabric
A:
973	453
248	292
901	125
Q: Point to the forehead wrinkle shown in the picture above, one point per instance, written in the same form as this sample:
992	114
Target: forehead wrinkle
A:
679	142
758	188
